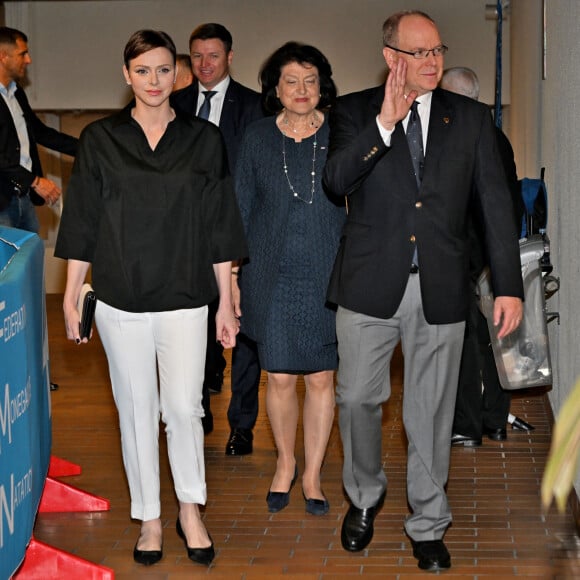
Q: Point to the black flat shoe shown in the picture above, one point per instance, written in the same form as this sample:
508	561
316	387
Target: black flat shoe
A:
199	555
432	555
147	557
278	500
316	507
358	526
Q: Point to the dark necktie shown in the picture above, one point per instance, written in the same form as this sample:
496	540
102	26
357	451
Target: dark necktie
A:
206	105
415	140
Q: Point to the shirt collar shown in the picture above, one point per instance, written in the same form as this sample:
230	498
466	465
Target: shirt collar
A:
124	115
221	87
9	90
426	98
425	102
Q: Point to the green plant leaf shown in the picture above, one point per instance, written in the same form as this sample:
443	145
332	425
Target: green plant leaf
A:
562	463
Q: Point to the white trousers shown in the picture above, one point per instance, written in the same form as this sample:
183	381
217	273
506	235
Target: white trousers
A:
141	347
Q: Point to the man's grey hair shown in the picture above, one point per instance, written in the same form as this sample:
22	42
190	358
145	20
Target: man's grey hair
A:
461	80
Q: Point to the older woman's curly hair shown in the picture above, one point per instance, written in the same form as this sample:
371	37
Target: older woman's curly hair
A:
303	54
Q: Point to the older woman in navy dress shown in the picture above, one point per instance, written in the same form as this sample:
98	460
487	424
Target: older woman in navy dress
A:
293	231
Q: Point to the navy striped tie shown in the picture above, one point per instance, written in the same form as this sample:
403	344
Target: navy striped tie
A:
206	105
415	140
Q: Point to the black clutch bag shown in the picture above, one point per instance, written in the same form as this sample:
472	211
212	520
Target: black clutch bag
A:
86	307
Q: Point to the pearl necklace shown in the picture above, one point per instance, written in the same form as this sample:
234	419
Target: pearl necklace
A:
312	173
314	123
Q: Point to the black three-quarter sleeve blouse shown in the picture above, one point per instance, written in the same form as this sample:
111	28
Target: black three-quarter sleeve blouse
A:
151	222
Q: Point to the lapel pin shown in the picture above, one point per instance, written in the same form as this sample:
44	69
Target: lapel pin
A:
446	120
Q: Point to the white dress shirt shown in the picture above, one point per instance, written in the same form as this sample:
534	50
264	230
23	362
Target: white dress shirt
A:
217	101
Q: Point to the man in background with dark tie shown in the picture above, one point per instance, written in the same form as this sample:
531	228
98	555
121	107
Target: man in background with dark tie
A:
217	97
401	273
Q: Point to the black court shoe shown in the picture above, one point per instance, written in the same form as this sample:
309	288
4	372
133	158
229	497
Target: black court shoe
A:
278	500
147	557
199	555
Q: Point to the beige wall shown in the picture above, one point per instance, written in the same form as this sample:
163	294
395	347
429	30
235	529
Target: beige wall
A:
77	46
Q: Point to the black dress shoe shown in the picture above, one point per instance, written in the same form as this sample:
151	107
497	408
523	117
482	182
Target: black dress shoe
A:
240	442
432	555
147	557
496	434
358	526
521	425
278	500
199	555
465	440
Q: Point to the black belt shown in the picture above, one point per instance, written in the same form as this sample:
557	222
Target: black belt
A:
414	269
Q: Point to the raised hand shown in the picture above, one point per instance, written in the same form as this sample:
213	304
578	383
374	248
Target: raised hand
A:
397	102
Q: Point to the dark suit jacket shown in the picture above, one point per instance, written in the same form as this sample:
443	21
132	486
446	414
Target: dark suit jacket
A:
478	254
14	178
241	107
388	214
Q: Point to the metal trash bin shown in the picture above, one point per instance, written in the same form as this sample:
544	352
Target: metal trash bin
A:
523	357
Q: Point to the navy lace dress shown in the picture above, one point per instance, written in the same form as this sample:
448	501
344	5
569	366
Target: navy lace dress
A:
292	246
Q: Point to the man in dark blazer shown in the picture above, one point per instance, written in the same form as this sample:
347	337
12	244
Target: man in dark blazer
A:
22	185
401	272
232	107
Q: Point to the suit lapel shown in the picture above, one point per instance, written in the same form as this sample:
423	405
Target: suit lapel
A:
21	98
440	121
6	119
377	101
226	119
194	96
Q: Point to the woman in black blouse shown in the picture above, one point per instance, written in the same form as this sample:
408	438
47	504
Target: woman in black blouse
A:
151	208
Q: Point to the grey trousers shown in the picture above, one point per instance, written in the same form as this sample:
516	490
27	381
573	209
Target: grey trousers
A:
431	361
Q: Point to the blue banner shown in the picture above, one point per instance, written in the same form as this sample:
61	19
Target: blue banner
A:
25	428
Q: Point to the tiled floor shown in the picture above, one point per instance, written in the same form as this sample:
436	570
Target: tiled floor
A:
499	530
